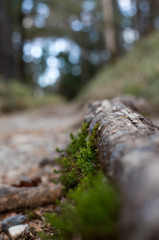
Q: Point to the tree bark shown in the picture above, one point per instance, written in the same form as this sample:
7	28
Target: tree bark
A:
128	150
14	197
153	13
6	49
145	19
110	34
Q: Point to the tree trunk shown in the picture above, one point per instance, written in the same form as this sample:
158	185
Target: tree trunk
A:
153	13
6	50
21	63
145	19
110	34
128	149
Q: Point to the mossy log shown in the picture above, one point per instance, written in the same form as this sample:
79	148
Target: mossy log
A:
128	148
13	197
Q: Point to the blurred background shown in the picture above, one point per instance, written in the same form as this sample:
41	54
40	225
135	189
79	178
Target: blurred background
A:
53	51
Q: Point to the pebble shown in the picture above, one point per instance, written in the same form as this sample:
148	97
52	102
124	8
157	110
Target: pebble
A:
16	231
45	161
12	221
29	233
58	210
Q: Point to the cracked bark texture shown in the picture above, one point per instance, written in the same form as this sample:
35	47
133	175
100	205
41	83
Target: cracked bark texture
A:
128	148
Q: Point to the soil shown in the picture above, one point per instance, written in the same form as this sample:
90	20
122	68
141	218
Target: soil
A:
28	142
28	138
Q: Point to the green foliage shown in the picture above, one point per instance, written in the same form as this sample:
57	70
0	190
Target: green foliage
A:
136	73
57	25
91	211
16	96
92	206
80	157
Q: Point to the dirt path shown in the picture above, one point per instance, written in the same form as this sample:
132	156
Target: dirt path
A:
27	138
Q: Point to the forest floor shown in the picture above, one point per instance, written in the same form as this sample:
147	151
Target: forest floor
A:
29	138
28	143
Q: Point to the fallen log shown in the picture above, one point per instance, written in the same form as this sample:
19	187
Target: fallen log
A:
14	197
128	148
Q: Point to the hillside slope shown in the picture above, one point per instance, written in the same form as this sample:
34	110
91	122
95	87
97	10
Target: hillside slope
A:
135	73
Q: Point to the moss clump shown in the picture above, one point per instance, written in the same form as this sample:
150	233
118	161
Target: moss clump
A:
92	206
80	157
91	211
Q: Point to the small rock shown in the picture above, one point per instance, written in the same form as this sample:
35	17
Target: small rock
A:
12	221
58	210
16	231
29	233
63	200
46	161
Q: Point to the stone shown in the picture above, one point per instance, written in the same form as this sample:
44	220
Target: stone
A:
12	221
16	231
46	161
29	233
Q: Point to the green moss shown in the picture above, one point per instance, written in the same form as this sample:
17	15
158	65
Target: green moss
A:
80	157
91	211
92	206
136	72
